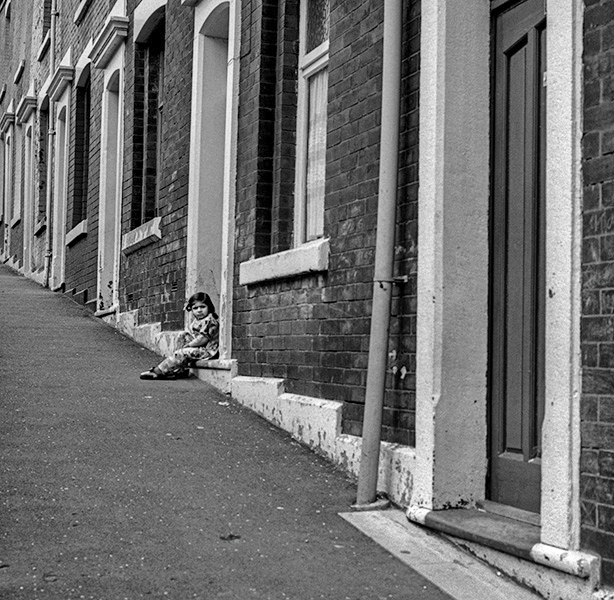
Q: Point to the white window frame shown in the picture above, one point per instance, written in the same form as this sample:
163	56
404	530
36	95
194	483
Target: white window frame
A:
310	64
306	256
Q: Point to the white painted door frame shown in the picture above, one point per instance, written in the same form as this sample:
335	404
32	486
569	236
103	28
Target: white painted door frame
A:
205	15
60	188
111	176
452	327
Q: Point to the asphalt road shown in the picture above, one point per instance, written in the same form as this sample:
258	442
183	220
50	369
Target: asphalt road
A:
112	487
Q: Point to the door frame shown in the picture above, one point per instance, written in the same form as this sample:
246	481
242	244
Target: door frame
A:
452	321
205	13
111	161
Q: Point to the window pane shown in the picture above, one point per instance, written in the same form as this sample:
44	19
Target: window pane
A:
317	23
316	154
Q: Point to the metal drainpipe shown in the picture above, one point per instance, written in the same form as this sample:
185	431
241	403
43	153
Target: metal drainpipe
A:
50	148
384	255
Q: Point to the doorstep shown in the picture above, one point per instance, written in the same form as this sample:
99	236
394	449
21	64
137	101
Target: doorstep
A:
218	373
496	531
494	536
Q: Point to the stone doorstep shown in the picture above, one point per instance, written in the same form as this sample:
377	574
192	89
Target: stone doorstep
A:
508	535
496	531
216	365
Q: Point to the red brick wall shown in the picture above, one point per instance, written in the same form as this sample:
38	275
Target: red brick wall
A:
597	465
313	330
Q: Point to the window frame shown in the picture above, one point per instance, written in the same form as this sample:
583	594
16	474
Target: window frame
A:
83	127
309	64
152	49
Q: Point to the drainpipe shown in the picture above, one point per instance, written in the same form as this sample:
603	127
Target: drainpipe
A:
384	256
50	148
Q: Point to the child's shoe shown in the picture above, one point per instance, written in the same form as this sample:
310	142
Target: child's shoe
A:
151	374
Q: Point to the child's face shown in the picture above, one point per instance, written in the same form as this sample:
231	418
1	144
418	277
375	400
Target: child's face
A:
199	310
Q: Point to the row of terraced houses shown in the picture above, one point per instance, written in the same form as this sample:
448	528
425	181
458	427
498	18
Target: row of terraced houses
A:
403	210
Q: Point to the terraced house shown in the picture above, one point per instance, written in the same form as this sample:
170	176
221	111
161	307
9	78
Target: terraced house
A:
403	210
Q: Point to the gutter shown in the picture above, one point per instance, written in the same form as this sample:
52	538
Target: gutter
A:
384	256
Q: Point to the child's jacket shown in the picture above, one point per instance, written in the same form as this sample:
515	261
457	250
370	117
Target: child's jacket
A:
208	328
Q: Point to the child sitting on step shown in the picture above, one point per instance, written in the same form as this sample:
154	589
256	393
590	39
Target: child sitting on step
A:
201	341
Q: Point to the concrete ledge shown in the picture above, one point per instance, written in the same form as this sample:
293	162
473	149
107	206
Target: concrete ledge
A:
514	547
314	422
495	531
396	466
218	373
317	424
452	569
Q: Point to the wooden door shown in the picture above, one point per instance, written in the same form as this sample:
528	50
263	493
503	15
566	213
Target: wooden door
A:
518	252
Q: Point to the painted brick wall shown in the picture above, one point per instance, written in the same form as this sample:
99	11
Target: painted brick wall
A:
153	277
597	464
313	330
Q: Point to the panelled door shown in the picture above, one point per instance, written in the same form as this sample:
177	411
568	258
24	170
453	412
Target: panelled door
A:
516	379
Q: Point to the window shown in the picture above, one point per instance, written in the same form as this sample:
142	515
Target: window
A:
149	103
46	17
82	150
312	120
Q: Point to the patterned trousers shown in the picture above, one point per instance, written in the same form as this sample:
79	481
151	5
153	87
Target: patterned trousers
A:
182	358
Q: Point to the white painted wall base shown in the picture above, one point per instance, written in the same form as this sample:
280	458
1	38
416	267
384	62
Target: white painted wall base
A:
218	373
316	423
548	582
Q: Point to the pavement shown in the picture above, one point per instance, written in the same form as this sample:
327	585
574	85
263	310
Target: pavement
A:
116	488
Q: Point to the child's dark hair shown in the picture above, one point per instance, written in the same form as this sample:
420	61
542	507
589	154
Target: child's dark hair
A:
201	297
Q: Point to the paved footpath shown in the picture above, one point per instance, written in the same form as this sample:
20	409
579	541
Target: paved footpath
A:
112	487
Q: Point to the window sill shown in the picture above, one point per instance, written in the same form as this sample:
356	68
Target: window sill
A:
40	226
76	233
44	47
81	10
308	258
146	234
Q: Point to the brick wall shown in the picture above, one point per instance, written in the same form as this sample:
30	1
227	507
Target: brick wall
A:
313	330
597	464
82	256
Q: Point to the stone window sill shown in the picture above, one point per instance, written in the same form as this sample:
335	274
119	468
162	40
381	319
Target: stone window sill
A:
308	258
40	226
146	234
76	233
81	11
44	47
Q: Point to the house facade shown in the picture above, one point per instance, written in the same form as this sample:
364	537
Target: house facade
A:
402	210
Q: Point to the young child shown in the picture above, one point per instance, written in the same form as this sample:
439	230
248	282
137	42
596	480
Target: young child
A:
201	342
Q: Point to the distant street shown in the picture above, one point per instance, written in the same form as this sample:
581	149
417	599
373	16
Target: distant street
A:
113	487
